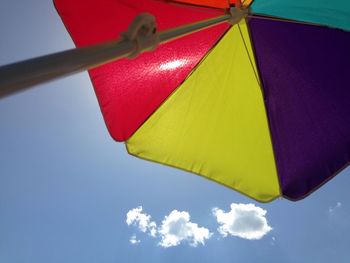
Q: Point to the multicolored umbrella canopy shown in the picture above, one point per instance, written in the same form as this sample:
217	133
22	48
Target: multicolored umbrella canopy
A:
262	107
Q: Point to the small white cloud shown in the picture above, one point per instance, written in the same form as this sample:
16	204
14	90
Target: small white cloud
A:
244	220
142	221
133	240
273	241
333	208
177	228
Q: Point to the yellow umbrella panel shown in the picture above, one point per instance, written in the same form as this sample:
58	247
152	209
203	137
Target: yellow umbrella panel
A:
215	123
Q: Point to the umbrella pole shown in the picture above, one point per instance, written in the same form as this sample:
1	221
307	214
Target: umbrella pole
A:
141	36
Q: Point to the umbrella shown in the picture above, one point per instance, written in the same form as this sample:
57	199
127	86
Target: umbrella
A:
261	107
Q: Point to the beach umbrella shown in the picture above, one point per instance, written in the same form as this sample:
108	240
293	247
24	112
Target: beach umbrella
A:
260	104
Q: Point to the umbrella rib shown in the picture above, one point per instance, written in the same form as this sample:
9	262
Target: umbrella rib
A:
250	58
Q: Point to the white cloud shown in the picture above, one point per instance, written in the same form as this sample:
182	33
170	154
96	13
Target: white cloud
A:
142	221
177	228
333	208
244	220
133	240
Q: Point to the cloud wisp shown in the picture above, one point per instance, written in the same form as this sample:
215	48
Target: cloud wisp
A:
334	208
243	220
133	240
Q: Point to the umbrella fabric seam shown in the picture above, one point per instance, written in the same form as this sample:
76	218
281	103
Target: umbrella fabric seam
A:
262	91
250	59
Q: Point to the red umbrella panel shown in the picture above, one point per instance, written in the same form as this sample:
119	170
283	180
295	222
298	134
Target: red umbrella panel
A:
146	81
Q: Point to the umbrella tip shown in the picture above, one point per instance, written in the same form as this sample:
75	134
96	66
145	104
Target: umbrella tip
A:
237	12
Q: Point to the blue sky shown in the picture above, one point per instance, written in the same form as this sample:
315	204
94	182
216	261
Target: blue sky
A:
66	187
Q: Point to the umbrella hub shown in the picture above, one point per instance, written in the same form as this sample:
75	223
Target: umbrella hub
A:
237	13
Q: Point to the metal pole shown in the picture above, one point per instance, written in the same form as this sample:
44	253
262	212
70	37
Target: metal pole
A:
23	75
